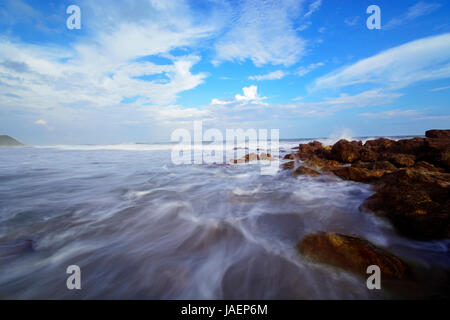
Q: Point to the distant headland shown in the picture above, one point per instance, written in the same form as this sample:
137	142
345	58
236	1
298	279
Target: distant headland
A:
7	141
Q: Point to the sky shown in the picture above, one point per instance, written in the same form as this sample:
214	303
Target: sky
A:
137	70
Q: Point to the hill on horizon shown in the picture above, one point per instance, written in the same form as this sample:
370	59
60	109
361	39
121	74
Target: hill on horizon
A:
7	141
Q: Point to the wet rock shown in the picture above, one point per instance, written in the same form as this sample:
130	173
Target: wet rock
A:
377	165
16	248
305	171
289	157
379	145
352	254
315	162
358	174
439	134
368	155
416	202
288	165
346	152
310	148
401	160
416	146
425	166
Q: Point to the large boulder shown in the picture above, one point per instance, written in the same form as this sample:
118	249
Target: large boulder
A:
438	134
352	254
310	148
346	152
417	202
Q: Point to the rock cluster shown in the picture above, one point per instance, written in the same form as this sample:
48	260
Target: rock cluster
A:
411	177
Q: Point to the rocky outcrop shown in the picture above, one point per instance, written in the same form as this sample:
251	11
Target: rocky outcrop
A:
352	254
7	141
417	202
410	177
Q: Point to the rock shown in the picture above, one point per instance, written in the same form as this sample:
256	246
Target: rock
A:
310	148
289	157
423	165
402	160
346	152
352	254
16	248
377	165
358	174
379	145
305	171
288	165
416	146
439	134
416	202
368	155
315	162
7	141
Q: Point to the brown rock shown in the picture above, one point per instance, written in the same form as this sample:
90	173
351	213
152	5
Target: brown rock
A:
288	165
289	157
353	254
314	161
416	202
379	145
368	155
305	171
402	160
439	134
358	174
311	147
414	146
346	152
423	165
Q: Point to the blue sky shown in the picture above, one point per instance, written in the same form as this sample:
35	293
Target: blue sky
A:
137	70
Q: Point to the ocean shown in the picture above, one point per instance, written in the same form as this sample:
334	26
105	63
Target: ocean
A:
141	227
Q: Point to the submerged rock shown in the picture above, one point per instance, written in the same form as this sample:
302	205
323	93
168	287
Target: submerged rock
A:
352	254
17	248
417	202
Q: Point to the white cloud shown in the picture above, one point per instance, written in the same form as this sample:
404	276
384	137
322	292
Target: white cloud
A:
263	32
313	7
418	10
47	76
391	114
302	71
440	89
41	123
275	75
250	97
420	60
329	106
351	22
